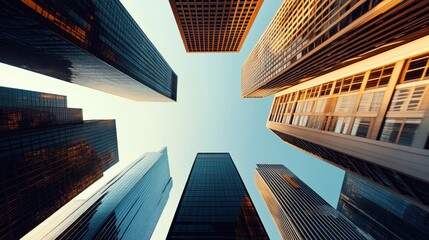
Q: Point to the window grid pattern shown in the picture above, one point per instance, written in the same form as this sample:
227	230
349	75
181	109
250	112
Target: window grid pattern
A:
215	203
300	213
128	206
214	26
380	212
346	106
303	39
48	155
91	43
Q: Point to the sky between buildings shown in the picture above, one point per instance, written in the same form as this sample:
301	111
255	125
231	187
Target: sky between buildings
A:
209	115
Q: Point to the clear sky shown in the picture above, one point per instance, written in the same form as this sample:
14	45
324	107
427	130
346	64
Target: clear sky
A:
209	115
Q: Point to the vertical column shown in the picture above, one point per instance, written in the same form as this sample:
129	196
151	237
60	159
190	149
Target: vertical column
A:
388	94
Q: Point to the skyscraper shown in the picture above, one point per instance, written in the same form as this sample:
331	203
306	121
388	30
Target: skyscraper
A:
127	207
92	43
48	155
370	118
307	39
382	214
215	203
297	210
214	26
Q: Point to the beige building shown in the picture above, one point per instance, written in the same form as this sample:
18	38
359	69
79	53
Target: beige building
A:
370	118
214	26
307	39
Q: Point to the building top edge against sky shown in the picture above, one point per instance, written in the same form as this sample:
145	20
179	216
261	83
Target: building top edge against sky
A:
96	44
213	26
312	38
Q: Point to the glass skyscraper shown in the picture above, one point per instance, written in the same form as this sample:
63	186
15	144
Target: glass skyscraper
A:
307	39
48	155
92	43
298	211
215	203
127	207
382	214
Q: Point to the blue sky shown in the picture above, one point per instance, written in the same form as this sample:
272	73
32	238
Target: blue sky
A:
209	115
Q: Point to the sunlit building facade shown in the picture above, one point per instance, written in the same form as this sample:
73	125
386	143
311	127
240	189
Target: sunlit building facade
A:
48	155
127	207
215	203
370	118
214	26
298	211
96	44
307	39
380	213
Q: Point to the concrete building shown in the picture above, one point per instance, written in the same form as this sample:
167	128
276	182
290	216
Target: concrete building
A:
214	26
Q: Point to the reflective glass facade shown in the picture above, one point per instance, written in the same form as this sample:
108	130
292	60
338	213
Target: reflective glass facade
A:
127	207
373	122
214	26
215	203
297	210
382	214
48	155
92	43
307	39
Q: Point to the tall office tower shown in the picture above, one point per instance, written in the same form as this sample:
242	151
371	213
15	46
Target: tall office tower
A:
127	207
214	26
96	44
382	214
370	118
215	203
48	155
307	39
297	210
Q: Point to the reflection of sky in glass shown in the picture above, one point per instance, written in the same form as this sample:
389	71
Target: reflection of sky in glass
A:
208	116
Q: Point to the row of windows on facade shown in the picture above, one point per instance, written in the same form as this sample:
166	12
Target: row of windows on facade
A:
345	106
290	51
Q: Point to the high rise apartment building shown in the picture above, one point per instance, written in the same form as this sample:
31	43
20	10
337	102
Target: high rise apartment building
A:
380	213
96	44
307	39
215	203
48	155
127	207
370	118
297	210
214	26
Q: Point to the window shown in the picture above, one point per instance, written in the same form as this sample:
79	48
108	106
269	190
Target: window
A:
417	69
360	127
400	131
370	101
407	99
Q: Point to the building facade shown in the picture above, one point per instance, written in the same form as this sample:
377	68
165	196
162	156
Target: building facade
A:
307	39
214	26
298	211
380	213
48	156
370	118
127	207
96	44
215	203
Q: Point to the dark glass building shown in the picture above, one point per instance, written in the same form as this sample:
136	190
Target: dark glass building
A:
215	203
48	155
92	43
298	211
382	214
127	207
